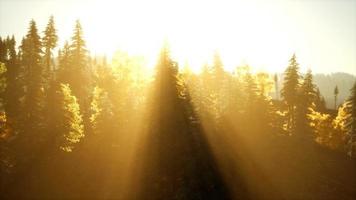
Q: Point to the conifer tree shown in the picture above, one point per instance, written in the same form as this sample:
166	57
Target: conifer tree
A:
33	80
306	101
257	109
102	113
175	148
2	82
336	92
64	64
53	112
203	92
218	87
236	99
320	104
289	92
71	122
3	50
14	89
339	134
6	154
351	123
49	42
251	92
265	112
79	77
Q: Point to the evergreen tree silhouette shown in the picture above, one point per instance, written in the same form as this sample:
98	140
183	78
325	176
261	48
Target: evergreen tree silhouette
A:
289	92
306	100
351	123
336	93
14	88
178	164
33	101
79	76
49	42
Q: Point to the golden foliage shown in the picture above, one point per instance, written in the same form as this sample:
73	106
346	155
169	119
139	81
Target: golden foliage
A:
4	130
73	125
329	131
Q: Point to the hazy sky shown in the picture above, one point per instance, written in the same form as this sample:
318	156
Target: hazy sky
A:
263	34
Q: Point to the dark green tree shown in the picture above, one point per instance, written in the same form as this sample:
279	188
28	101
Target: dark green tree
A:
351	123
64	120
71	123
336	93
33	80
49	42
320	103
306	100
29	140
202	93
102	116
252	92
3	50
2	82
177	163
289	92
64	65
257	106
218	87
14	88
78	79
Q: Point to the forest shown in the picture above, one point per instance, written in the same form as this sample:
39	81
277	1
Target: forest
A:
77	126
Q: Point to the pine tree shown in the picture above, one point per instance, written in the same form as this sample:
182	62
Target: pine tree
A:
71	122
236	99
322	126
79	76
176	162
339	134
257	105
53	114
306	101
14	89
289	92
336	92
251	91
2	82
320	104
49	42
102	113
351	123
33	80
218	87
64	64
203	92
3	50
6	163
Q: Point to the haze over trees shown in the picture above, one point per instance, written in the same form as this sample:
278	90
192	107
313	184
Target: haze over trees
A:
74	126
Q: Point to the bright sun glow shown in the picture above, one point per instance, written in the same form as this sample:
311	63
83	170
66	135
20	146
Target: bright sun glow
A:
193	31
263	34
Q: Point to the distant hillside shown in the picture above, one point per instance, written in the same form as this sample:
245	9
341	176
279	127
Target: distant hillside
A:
327	83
